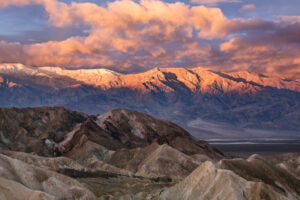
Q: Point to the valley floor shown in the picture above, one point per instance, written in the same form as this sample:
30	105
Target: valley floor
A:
264	147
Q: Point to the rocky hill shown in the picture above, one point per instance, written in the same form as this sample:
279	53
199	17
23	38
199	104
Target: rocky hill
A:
56	153
62	130
237	179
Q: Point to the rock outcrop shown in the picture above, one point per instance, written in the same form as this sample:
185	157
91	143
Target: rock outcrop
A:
156	161
289	162
237	179
136	129
26	129
40	179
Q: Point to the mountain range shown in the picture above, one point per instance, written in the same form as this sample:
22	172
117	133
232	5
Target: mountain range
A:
191	97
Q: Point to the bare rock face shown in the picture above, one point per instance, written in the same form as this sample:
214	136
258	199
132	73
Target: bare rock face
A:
209	182
289	162
130	159
155	161
256	168
49	163
167	162
25	129
136	129
237	179
13	190
93	133
39	179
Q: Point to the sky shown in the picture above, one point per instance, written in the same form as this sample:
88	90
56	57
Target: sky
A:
133	36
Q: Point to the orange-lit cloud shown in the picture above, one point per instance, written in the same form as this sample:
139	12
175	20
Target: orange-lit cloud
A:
275	49
140	32
11	52
127	35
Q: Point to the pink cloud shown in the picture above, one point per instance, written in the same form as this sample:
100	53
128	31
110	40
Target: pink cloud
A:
247	8
124	27
11	52
126	34
275	49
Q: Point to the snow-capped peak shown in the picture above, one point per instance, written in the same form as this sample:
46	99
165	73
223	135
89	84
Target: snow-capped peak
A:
16	68
12	68
61	71
87	76
196	79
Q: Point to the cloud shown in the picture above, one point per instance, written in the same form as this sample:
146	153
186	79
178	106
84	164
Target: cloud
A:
274	49
5	3
11	52
214	2
289	19
247	8
126	35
